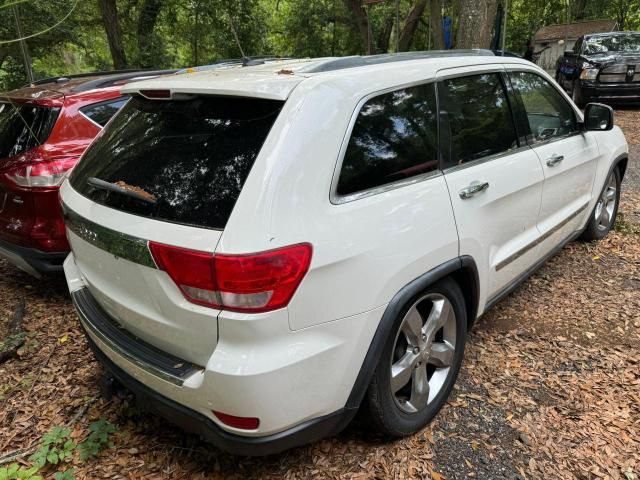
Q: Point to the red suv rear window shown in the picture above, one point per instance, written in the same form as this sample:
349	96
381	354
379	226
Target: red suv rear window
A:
24	126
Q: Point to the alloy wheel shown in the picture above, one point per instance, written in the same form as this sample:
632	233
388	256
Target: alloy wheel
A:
423	352
606	204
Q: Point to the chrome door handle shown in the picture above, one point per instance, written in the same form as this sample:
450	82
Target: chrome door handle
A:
554	160
473	189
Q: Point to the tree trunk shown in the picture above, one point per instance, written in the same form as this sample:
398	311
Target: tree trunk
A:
579	9
109	12
435	15
476	23
384	39
622	8
146	23
411	24
360	22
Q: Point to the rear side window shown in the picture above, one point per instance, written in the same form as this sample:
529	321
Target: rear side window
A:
102	112
478	116
549	115
24	126
189	159
394	138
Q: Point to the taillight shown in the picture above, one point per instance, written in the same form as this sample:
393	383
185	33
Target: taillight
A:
257	282
41	174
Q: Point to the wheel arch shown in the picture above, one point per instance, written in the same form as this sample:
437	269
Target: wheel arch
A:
621	162
462	270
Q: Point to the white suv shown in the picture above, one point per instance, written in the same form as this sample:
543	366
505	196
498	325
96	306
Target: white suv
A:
258	251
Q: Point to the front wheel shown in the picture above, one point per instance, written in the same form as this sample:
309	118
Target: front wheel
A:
606	210
420	362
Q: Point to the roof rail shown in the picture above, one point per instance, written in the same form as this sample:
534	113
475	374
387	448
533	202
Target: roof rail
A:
229	62
363	61
109	78
60	78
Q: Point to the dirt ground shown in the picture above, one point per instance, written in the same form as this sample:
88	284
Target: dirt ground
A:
550	386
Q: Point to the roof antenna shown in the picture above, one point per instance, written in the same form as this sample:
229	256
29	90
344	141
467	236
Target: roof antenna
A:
246	61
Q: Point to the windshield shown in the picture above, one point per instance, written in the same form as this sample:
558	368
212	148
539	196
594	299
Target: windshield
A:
24	126
613	43
182	161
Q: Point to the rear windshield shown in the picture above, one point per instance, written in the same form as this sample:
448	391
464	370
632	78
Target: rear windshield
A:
182	161
24	126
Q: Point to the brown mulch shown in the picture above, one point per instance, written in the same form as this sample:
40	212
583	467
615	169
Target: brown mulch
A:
550	387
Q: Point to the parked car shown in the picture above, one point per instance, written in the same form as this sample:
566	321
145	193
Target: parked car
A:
602	67
257	252
44	129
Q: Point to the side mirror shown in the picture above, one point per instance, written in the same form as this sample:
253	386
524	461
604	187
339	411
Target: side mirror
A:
569	53
598	117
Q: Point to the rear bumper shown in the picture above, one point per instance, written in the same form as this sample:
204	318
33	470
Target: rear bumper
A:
611	93
194	422
298	401
32	261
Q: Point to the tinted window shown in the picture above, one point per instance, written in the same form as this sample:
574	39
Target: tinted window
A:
24	126
191	157
102	112
549	115
394	138
477	112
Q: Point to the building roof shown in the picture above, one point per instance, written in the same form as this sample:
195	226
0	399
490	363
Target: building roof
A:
573	31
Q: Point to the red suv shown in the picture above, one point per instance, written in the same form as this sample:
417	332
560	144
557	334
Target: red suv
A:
44	129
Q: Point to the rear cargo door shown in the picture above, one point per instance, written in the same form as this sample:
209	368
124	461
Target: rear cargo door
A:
167	171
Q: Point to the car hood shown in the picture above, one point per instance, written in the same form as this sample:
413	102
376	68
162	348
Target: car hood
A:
605	59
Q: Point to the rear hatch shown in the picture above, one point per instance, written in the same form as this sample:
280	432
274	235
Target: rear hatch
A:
24	126
167	171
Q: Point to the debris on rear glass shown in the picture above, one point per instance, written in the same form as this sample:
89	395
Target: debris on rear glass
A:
124	189
132	188
284	71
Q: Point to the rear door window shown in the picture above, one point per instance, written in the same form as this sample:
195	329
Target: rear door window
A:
24	126
476	118
182	161
395	137
102	112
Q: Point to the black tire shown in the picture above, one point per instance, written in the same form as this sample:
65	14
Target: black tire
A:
596	230
576	94
386	410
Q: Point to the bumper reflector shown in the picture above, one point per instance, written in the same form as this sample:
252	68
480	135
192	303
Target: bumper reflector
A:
243	423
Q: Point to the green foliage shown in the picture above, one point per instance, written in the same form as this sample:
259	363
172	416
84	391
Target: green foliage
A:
66	475
625	227
23	384
16	471
181	33
56	447
97	440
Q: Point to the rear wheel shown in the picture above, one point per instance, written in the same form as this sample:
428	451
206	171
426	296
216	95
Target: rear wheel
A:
606	210
420	361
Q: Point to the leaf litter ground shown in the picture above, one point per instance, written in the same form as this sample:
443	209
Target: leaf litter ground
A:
550	386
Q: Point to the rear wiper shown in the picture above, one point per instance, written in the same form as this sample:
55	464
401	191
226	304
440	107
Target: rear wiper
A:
112	187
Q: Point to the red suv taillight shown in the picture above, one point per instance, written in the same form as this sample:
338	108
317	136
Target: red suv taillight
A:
257	282
41	173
